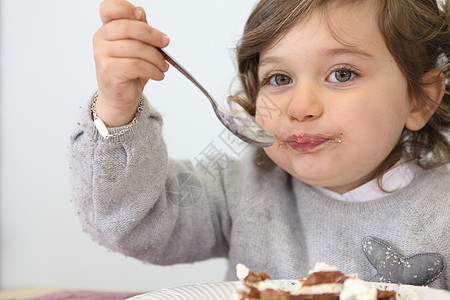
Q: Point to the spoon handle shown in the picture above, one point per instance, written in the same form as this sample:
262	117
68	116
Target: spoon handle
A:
188	75
247	130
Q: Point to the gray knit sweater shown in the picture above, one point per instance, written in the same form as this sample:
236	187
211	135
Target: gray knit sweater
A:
133	199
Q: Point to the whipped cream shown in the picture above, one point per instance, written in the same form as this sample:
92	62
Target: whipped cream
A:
242	271
321	267
357	289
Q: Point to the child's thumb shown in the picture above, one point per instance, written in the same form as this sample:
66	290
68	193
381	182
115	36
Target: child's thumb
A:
140	14
119	9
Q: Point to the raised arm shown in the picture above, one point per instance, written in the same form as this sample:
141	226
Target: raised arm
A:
126	190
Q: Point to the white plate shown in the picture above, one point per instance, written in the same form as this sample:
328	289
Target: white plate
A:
226	291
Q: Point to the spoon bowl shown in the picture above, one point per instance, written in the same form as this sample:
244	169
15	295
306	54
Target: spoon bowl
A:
244	128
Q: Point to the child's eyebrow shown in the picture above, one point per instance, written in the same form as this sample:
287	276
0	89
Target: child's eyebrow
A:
271	60
268	60
350	50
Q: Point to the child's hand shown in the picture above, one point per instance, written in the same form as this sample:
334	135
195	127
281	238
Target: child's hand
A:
126	58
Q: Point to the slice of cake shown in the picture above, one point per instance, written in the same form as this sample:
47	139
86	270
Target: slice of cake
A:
323	283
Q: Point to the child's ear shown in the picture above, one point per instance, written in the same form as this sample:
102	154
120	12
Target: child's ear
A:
421	113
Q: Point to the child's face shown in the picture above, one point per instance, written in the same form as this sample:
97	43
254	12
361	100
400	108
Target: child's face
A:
336	111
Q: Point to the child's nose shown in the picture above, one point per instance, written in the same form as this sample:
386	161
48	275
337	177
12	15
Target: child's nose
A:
305	102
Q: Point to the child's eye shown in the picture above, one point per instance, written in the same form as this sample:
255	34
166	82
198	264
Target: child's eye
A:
279	80
342	75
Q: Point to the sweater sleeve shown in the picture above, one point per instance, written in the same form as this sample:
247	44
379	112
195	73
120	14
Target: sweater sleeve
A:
133	199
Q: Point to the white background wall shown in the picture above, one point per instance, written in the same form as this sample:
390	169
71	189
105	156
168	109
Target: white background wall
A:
47	73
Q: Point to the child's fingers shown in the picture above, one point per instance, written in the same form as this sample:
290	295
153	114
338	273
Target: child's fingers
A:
119	9
138	50
134	30
128	69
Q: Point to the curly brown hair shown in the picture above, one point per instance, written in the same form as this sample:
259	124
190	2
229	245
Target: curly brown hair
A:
417	34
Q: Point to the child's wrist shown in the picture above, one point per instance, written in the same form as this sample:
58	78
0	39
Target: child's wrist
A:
103	120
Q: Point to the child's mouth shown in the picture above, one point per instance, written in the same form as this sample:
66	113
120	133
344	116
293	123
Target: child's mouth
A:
306	143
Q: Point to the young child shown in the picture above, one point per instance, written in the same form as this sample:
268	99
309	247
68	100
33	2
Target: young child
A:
357	176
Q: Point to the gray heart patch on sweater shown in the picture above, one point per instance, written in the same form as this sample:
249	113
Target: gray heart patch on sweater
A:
419	269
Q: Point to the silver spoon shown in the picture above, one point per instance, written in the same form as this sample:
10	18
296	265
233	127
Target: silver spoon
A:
245	129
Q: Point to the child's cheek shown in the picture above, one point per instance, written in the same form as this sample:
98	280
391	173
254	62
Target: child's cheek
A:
267	112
